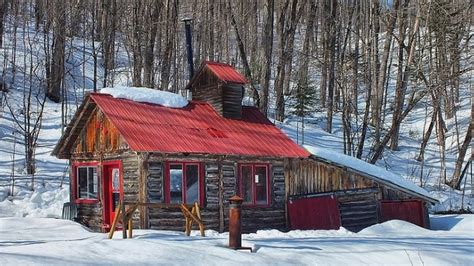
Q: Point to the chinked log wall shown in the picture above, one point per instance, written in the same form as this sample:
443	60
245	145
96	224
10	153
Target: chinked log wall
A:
357	195
220	179
90	214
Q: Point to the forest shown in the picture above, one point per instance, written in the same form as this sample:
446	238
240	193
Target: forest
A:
369	63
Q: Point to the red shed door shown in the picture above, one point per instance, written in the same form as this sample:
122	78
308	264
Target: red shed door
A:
407	210
112	190
314	213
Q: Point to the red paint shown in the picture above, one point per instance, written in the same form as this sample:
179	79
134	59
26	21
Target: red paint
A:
225	72
154	128
166	181
108	190
314	213
73	182
407	210
254	187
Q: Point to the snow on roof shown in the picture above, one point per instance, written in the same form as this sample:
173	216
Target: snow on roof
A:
372	170
147	95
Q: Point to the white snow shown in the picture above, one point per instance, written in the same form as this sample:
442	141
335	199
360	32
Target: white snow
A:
147	95
364	167
41	241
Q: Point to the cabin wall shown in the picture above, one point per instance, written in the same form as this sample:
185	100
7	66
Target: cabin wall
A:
220	181
272	217
99	136
232	101
358	196
310	176
91	214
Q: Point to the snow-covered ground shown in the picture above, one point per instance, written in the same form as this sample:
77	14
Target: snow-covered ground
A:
52	241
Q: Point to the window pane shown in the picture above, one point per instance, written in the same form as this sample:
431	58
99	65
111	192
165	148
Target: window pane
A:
261	184
176	183
247	183
192	184
92	183
82	182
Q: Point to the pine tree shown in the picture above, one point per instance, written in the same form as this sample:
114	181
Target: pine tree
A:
304	101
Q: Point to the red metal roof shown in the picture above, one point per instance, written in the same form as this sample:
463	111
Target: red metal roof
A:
225	72
196	128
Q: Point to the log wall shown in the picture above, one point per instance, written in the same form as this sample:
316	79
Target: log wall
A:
358	208
90	214
220	182
357	195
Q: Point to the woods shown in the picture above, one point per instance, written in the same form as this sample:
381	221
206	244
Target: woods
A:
367	63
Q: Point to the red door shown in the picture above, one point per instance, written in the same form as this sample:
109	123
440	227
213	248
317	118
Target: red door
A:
407	210
112	191
314	213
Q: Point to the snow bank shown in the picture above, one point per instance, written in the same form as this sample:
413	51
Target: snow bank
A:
365	167
147	95
42	202
42	241
394	227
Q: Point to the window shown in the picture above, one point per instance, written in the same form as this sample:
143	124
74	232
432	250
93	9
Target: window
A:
254	180
182	183
87	182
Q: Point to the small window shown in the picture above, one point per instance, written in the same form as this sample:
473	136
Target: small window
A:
254	184
87	182
183	183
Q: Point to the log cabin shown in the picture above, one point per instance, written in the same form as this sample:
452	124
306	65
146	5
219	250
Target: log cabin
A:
206	152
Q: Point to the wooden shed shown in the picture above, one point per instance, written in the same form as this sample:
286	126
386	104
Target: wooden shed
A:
329	190
205	152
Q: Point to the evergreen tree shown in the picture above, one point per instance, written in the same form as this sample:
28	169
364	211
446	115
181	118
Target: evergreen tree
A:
303	103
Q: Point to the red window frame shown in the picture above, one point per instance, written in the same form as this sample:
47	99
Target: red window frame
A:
254	187
166	181
74	182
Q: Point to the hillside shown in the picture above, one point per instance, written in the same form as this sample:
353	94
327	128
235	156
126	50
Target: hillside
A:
26	49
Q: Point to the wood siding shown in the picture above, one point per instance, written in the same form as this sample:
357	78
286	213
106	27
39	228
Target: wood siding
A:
226	99
232	101
99	136
220	183
358	208
357	195
90	215
309	176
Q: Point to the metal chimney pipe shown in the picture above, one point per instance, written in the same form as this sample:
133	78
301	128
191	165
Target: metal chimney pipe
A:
189	46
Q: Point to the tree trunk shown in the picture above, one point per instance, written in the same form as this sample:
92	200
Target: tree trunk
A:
267	49
456	180
402	87
171	26
243	57
332	67
149	54
57	62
